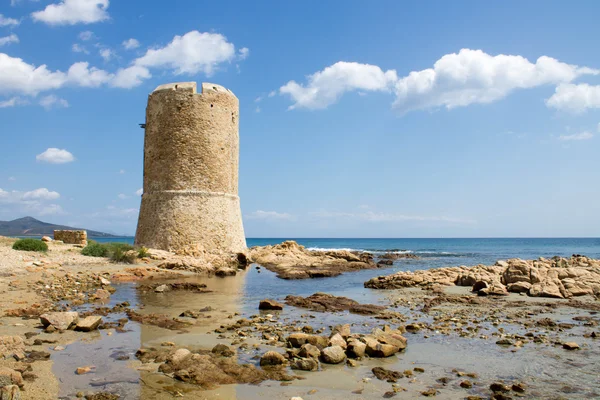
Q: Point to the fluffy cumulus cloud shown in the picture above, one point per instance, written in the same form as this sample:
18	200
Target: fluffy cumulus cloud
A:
586	135
55	156
5	21
32	202
130	77
191	53
81	74
270	215
86	35
16	76
455	80
9	39
51	101
131	44
78	48
106	54
12	102
575	98
71	12
326	87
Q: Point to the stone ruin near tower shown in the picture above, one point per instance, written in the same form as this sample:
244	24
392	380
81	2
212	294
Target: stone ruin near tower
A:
191	158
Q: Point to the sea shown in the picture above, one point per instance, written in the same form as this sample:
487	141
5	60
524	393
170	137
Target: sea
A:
434	253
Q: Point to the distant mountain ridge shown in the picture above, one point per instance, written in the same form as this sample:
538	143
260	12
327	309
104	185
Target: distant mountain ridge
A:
29	226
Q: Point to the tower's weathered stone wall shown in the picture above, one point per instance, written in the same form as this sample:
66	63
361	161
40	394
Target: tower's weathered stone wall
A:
191	158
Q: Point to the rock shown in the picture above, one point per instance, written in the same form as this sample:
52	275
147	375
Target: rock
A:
298	339
519	387
84	370
89	323
337	340
104	281
10	392
343	330
499	387
466	384
46	239
570	346
356	348
386	374
223	272
272	358
223	350
101	294
10	345
429	392
268	304
327	302
305	364
179	356
494	289
333	355
376	349
162	288
479	285
309	351
9	376
351	363
518	287
393	337
60	320
504	342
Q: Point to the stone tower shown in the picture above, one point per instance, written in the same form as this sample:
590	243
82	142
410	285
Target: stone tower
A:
191	157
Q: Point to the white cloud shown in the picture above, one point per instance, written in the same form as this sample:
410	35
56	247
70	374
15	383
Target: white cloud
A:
55	156
270	215
326	87
12	102
82	75
122	196
257	109
5	21
244	52
575	98
121	171
455	80
577	136
191	53
372	216
129	77
131	44
52	101
16	76
71	12
31	202
139	192
86	35
40	194
78	48
272	93
106	54
9	39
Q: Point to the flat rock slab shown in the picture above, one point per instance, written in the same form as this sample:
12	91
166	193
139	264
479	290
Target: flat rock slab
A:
326	302
88	323
268	304
60	320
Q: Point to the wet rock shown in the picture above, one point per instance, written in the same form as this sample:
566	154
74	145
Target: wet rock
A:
309	351
499	387
268	304
179	356
386	374
419	370
162	320
337	340
9	376
60	320
389	394
272	358
298	339
376	349
162	288
343	330
327	302
519	387
102	396
38	355
101	294
10	392
85	370
570	346
223	272
466	384
356	348
223	350
504	342
305	364
333	355
429	392
88	324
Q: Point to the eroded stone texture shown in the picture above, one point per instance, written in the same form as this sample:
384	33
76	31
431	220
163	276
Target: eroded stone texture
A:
191	157
71	237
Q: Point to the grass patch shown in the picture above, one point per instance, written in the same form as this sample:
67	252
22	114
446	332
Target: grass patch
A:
143	252
117	252
30	245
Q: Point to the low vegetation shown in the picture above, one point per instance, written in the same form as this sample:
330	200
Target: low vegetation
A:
117	252
30	245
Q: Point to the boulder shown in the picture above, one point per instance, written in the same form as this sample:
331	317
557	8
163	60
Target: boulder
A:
337	340
570	346
272	358
309	351
298	339
10	345
60	320
356	348
268	304
89	323
179	356
101	294
376	349
305	364
46	239
222	350
494	289
9	376
10	392
333	355
386	374
518	287
343	330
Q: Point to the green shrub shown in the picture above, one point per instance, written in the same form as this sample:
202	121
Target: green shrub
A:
120	254
95	249
30	245
143	252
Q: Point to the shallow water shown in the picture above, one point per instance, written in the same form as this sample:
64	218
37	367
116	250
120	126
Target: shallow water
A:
550	371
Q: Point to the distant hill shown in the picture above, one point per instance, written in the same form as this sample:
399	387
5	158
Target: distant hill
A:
29	226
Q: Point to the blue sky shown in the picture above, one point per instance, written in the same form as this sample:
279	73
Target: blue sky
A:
357	119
